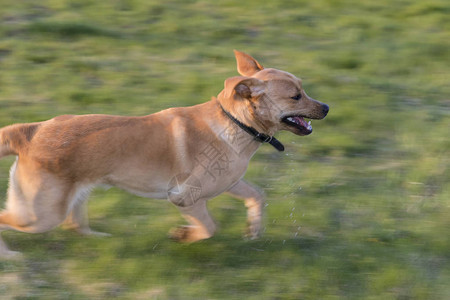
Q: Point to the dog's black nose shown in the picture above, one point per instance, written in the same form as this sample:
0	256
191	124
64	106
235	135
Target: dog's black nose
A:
325	109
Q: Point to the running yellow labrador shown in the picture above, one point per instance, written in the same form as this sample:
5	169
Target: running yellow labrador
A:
187	155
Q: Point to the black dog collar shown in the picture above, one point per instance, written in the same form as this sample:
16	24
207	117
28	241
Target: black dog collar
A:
260	137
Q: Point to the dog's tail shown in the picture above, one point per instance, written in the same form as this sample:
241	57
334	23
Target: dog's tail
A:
15	138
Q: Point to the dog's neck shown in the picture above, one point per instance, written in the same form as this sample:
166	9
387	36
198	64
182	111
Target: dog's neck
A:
257	135
246	114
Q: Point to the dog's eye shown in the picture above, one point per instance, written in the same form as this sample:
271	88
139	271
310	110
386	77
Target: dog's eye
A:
297	97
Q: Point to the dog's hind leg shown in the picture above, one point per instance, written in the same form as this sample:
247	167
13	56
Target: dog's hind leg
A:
36	203
202	225
254	201
77	219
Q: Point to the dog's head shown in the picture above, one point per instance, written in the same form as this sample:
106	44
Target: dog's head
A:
269	99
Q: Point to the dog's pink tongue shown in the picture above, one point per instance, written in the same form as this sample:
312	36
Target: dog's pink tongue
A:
300	121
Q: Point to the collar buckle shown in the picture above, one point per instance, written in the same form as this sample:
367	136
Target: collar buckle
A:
264	138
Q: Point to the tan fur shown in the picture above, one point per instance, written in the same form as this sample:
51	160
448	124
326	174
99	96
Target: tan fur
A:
188	155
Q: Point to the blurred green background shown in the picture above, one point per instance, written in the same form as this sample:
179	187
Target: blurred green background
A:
358	210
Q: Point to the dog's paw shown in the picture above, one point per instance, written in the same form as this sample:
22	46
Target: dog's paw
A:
181	234
99	234
188	234
253	231
90	232
10	255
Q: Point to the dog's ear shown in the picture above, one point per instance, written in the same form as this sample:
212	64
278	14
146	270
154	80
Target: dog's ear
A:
246	65
240	87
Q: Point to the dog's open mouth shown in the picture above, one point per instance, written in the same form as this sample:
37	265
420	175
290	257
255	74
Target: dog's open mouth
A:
299	123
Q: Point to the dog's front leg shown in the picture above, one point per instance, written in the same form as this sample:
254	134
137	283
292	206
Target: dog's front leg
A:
254	201
201	225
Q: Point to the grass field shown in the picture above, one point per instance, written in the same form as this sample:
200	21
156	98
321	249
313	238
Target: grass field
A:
358	210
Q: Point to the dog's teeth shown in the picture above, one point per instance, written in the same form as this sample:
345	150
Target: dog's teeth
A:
290	119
